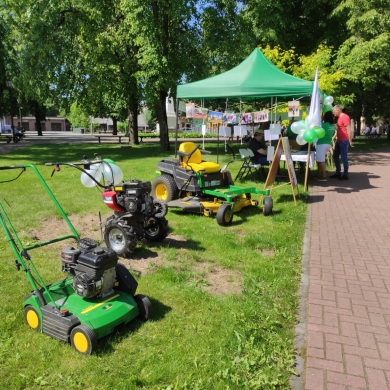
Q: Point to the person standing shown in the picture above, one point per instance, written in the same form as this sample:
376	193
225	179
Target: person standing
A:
344	140
324	144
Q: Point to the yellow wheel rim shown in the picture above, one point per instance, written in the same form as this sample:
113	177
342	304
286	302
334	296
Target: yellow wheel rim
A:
80	342
227	216
32	319
161	191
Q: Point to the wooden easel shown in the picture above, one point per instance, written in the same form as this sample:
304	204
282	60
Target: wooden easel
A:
282	147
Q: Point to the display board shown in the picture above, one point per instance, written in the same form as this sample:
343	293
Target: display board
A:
282	147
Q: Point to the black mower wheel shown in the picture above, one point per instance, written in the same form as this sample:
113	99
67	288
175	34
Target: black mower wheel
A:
223	215
156	229
144	307
31	317
117	238
83	339
164	188
267	205
161	208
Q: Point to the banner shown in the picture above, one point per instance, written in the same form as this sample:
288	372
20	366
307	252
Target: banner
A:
200	112
190	109
261	116
246	118
195	112
215	116
293	108
229	118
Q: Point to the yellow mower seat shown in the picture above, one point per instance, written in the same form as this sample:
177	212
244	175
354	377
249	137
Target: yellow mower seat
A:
195	162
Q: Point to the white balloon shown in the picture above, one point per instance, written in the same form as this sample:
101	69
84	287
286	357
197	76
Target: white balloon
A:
112	174
95	172
297	127
328	101
300	140
310	121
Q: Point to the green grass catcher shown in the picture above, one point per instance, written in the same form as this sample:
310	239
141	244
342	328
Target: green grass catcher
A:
97	295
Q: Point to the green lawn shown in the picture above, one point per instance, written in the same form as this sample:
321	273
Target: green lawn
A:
239	336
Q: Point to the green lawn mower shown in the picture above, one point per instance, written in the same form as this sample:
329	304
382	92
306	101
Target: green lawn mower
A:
203	187
97	295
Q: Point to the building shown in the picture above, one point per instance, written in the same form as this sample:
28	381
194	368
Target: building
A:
29	123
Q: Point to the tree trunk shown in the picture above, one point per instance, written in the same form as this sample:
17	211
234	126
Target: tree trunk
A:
38	117
133	122
114	125
163	121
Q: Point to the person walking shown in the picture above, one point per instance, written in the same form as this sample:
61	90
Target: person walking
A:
344	140
324	144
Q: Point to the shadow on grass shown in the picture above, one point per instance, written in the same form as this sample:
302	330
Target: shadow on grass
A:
107	344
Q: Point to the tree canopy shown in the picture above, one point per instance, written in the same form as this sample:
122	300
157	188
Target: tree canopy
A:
112	57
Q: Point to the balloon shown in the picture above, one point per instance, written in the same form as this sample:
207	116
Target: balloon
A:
109	160
327	108
300	140
95	172
112	174
320	132
328	100
297	127
309	135
310	121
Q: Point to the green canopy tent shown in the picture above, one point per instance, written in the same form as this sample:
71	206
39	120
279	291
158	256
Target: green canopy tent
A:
255	78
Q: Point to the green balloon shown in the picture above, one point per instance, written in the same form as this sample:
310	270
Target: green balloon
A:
320	132
327	108
309	135
108	160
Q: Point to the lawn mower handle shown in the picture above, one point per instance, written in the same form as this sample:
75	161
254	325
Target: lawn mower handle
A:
12	167
85	163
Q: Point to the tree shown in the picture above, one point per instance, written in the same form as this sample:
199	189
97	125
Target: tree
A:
167	35
364	57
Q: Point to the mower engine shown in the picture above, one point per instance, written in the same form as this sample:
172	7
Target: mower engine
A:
131	196
93	270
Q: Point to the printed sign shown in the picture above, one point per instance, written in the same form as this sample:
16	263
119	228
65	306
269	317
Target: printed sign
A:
293	108
261	116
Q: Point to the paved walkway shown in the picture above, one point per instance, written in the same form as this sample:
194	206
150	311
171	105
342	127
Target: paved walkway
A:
348	305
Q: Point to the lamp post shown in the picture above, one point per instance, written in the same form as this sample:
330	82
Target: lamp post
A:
9	85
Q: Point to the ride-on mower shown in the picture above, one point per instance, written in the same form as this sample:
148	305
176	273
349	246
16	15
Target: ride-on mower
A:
137	216
203	187
97	296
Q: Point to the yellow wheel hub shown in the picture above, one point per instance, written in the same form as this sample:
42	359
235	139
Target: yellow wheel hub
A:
32	319
80	342
161	191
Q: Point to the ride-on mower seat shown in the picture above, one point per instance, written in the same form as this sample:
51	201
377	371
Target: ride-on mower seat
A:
195	162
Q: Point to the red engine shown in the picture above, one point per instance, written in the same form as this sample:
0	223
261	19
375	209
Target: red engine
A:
109	198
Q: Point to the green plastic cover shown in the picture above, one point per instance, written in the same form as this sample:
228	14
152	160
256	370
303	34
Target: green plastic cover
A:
255	77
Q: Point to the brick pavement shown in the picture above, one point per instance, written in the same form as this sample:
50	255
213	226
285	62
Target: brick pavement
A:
348	301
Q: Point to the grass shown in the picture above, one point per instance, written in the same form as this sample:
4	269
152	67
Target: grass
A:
194	340
362	143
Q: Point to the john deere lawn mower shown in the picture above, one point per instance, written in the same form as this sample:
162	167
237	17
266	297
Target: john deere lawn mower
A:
97	295
137	216
198	186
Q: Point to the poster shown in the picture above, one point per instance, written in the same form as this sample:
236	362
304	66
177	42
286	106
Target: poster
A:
261	116
200	112
229	118
215	116
246	118
190	108
293	108
195	112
